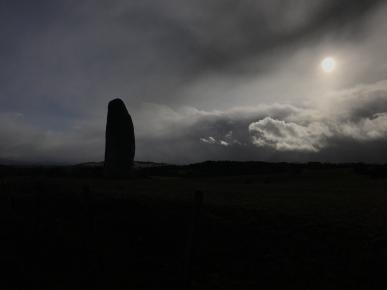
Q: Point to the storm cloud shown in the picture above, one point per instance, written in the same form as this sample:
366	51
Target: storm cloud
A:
202	79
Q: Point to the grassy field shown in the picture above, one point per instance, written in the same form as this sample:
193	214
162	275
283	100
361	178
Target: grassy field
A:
268	227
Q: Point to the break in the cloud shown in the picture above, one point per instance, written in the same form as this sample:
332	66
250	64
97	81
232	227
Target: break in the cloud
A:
202	79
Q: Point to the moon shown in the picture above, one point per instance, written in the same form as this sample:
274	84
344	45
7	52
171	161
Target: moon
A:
328	64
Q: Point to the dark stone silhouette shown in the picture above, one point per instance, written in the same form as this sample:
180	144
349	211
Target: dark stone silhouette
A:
120	141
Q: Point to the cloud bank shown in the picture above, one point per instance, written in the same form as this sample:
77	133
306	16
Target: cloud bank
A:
353	129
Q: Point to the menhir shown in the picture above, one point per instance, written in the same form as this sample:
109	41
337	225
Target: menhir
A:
120	141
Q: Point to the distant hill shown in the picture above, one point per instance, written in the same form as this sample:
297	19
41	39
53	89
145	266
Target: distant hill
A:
203	169
137	164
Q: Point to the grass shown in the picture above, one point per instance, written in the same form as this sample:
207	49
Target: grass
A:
321	227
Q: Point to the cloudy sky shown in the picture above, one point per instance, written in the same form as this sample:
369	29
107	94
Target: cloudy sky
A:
203	79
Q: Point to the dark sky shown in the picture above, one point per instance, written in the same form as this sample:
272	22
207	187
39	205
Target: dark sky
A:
203	79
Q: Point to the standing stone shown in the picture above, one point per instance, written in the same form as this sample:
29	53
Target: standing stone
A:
120	142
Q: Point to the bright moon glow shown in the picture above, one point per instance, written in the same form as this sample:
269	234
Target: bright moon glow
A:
328	64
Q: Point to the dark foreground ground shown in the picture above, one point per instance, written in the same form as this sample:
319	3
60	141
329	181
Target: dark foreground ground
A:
262	226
